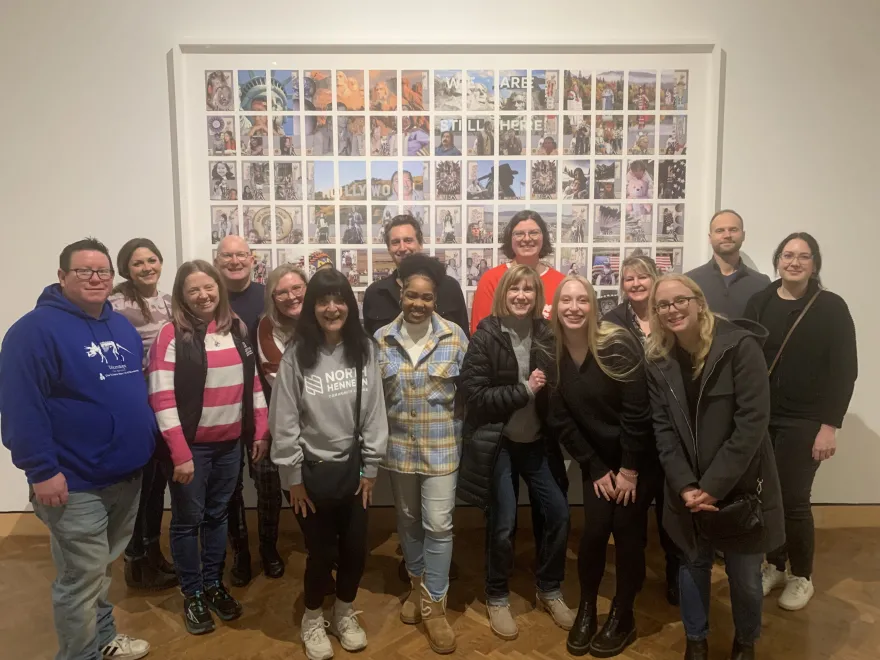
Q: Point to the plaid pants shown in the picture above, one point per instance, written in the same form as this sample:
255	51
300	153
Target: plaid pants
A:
268	486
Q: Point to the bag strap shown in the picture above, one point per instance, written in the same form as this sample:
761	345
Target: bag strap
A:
791	330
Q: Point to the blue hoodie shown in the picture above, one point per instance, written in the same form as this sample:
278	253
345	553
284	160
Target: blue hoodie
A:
73	398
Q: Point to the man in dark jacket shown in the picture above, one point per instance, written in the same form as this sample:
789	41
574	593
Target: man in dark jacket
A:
74	411
725	280
247	299
403	237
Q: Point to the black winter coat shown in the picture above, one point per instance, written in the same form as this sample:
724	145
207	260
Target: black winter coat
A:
729	450
492	392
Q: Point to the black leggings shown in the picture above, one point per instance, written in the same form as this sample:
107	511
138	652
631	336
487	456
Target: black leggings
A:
335	532
629	525
793	444
148	523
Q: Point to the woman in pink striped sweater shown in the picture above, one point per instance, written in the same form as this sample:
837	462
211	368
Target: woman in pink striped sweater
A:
207	397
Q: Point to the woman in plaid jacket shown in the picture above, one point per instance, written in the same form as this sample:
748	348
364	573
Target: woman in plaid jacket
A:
420	356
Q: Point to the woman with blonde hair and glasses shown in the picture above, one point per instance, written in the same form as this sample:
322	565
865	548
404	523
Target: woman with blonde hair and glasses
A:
504	378
710	399
637	276
285	291
208	399
599	411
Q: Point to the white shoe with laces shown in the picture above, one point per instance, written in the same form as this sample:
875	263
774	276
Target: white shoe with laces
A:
315	639
771	578
797	593
346	628
124	647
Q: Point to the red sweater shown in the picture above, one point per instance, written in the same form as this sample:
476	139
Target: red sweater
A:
489	282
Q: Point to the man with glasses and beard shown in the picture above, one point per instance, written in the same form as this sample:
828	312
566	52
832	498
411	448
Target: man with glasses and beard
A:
726	280
236	265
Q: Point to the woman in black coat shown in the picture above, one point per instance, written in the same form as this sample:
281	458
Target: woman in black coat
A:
637	276
811	386
711	405
503	381
599	410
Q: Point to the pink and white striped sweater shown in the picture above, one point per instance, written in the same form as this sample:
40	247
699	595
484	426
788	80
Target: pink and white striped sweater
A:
224	391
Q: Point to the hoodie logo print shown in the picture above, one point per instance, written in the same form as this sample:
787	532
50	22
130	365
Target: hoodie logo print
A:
104	348
314	385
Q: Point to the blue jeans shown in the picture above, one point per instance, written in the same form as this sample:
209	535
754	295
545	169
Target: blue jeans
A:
199	511
746	593
530	460
87	534
424	524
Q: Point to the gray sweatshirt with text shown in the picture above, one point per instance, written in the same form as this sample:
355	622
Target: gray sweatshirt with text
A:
311	413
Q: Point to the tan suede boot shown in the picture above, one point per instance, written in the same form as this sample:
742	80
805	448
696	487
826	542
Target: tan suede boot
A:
411	611
441	637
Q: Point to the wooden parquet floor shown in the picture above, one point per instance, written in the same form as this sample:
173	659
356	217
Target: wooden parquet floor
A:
842	622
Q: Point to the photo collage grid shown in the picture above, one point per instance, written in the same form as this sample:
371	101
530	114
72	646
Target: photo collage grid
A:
308	165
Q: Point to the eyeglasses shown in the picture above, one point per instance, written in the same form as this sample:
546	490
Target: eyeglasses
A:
85	274
229	256
681	303
788	257
533	234
287	294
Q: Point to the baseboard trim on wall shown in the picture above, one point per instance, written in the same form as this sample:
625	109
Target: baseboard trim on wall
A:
827	516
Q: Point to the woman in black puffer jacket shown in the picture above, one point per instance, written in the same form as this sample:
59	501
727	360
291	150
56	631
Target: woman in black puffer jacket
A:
504	383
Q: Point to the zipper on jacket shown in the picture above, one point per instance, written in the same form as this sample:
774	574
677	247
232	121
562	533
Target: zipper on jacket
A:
700	397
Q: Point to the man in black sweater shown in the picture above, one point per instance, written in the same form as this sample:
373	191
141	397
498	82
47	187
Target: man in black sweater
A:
403	237
236	264
725	280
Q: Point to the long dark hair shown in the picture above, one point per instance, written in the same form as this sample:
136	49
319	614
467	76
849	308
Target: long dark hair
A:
814	249
181	315
309	337
128	290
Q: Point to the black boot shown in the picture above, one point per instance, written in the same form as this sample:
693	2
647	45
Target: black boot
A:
697	650
240	575
157	559
140	574
742	651
672	595
618	632
584	628
273	565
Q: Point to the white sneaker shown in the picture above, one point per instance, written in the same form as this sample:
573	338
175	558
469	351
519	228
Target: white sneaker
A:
346	628
771	578
798	592
315	639
124	647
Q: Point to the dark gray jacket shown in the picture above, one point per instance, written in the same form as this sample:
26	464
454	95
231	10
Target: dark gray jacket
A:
728	300
730	447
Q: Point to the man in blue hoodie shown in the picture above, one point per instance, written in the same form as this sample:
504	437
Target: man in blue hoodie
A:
74	413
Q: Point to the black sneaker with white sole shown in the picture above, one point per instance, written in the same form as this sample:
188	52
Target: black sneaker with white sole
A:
196	614
222	602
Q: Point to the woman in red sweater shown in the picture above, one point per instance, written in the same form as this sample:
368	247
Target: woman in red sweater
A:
526	241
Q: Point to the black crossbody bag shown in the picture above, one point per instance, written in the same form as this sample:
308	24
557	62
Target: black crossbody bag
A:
743	514
333	481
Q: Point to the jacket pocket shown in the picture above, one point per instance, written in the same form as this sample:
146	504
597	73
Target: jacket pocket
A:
441	382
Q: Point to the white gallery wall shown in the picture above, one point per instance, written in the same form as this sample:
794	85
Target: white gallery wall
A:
87	133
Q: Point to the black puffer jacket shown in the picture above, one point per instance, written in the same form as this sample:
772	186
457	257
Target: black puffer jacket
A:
493	391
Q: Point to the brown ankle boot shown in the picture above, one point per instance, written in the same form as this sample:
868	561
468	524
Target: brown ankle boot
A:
441	637
410	611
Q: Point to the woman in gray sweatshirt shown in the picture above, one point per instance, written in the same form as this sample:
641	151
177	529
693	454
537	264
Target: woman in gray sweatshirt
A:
313	422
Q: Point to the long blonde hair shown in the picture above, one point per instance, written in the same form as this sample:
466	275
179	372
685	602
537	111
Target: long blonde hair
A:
662	340
601	336
184	320
639	264
514	275
284	324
